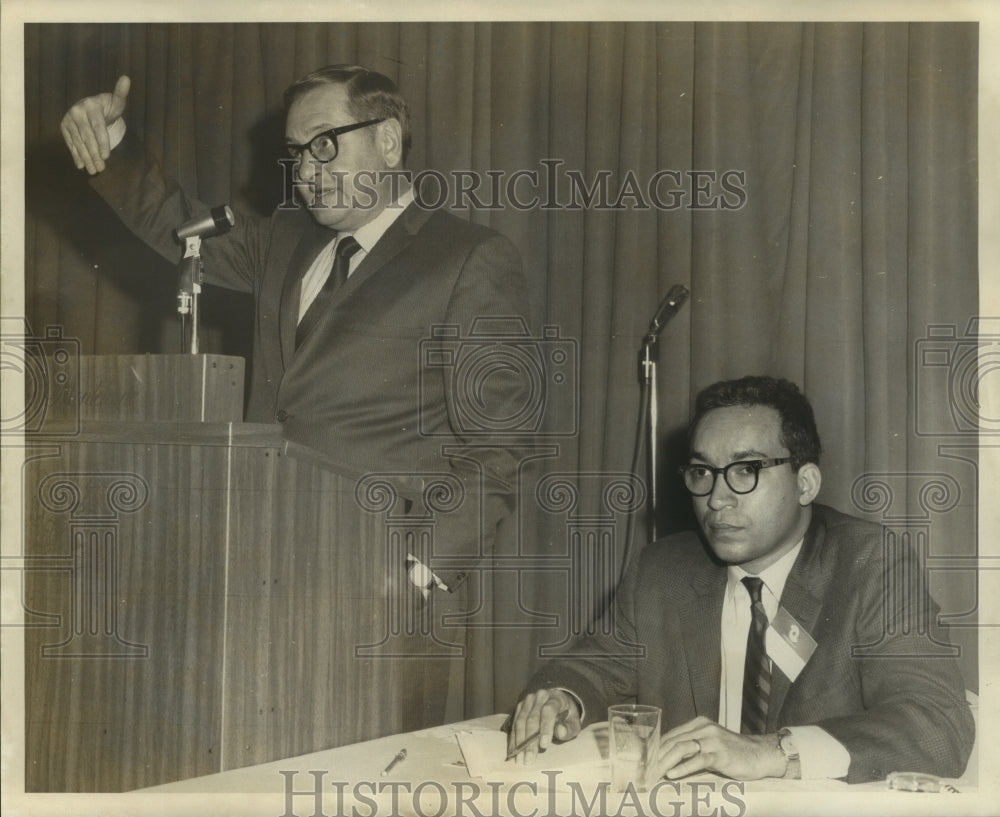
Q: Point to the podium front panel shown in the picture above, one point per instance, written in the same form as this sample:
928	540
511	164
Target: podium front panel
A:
199	599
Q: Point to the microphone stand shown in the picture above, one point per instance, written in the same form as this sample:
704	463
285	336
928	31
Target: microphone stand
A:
190	275
218	221
648	360
648	409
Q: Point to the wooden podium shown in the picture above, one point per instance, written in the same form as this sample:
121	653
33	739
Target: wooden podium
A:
201	594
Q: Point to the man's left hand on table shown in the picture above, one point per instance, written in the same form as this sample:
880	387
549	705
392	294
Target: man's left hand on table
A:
701	745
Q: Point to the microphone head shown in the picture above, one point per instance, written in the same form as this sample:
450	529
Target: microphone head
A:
671	303
218	221
223	218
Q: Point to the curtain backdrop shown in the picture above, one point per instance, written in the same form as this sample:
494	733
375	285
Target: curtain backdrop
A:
817	188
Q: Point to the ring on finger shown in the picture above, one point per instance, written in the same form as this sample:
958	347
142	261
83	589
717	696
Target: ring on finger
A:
697	743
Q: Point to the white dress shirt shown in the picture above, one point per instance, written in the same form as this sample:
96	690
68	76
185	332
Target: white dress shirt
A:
820	754
367	237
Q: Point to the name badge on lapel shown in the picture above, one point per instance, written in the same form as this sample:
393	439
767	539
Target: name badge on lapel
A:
788	644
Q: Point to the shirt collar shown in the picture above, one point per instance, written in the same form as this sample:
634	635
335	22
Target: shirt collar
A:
368	235
774	576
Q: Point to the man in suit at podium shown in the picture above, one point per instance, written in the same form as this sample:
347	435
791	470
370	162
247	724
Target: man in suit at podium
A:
348	290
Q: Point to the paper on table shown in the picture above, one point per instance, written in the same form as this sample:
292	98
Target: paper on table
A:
485	751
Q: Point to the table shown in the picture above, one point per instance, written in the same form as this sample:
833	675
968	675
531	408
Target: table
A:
432	780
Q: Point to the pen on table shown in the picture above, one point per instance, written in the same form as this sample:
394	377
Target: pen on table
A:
560	718
400	755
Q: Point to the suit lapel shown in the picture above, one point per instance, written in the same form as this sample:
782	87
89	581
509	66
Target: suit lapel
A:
699	620
302	258
392	243
804	606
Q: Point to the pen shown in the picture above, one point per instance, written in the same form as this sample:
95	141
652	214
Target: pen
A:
560	718
400	755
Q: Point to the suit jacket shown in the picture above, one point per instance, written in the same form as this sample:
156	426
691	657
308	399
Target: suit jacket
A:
894	708
370	386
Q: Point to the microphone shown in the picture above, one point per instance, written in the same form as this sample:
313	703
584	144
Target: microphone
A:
649	353
218	221
675	298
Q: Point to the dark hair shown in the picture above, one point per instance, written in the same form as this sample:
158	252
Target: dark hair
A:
370	95
798	425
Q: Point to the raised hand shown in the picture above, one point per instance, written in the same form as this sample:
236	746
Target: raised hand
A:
85	126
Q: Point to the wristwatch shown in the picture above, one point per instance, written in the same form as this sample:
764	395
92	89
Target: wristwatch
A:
786	742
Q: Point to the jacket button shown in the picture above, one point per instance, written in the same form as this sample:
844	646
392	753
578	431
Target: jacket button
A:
281	416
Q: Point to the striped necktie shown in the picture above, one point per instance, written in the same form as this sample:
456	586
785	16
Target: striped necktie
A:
346	248
757	669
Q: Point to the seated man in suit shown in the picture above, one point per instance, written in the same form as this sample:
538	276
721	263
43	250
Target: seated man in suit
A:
348	367
751	631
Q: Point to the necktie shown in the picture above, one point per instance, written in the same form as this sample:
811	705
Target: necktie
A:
346	247
756	670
